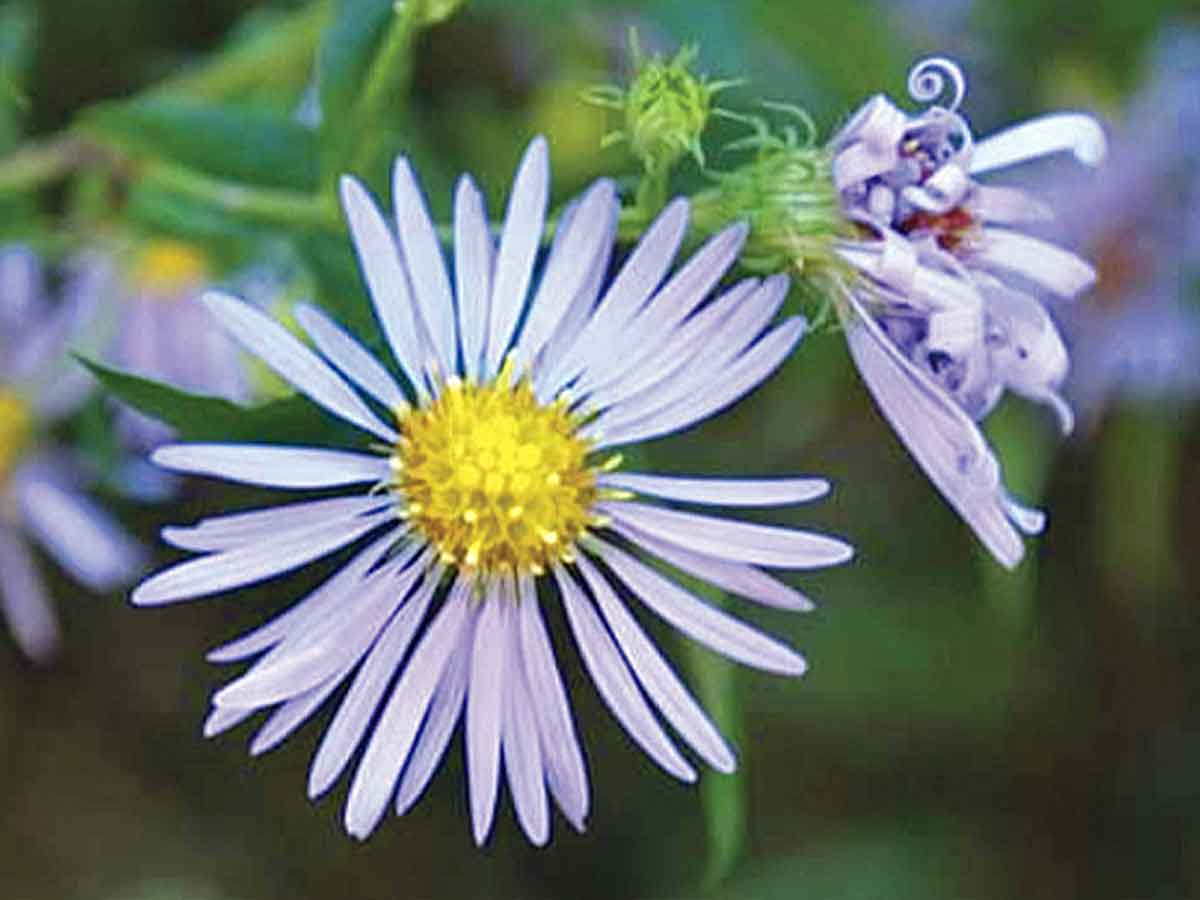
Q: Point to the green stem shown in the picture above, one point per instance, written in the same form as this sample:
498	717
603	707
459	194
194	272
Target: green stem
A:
33	165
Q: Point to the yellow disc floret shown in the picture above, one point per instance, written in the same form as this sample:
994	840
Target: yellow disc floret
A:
493	479
16	427
168	268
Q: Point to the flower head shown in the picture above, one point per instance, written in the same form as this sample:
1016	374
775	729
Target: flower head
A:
941	299
41	490
497	490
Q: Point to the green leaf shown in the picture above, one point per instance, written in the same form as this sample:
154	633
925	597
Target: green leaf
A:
251	145
201	417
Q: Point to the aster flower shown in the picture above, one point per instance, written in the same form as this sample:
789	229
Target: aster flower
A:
941	307
41	491
492	495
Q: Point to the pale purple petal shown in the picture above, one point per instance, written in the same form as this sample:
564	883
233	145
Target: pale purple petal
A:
387	282
614	682
390	744
519	241
485	699
1008	206
444	712
522	751
744	542
27	610
220	720
474	250
422	256
1079	133
83	538
246	565
292	714
230	531
701	622
743	580
350	356
1041	262
295	363
720	491
657	677
349	726
269	465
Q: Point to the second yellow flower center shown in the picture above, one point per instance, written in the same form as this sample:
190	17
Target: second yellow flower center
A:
494	480
168	268
16	427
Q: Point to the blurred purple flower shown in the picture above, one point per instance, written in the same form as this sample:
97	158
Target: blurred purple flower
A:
41	490
492	489
1140	334
940	307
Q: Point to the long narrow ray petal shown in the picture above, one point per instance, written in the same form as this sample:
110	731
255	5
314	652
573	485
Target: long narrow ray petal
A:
519	241
721	491
737	578
387	282
565	769
614	682
350	356
591	228
940	437
422	254
248	565
392	740
1055	133
335	649
523	753
292	714
81	536
750	370
745	542
219	720
24	601
1054	268
701	622
646	267
312	609
292	361
485	706
229	531
657	677
1008	205
268	465
444	712
473	259
348	727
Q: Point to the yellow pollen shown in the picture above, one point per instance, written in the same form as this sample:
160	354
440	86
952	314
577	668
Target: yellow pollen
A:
493	478
169	268
16	428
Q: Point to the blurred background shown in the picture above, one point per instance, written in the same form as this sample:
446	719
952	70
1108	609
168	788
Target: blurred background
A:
963	732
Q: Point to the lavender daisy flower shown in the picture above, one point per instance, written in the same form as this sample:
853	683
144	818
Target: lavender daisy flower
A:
941	307
492	494
41	492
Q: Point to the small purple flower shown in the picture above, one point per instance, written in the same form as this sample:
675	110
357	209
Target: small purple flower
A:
490	497
41	491
941	302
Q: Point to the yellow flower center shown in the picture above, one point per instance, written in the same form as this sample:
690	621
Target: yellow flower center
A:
169	268
16	427
493	479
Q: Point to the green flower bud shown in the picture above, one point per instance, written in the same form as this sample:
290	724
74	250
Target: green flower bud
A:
666	108
785	192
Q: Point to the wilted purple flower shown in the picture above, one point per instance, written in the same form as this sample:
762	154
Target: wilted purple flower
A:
488	498
41	492
1140	335
941	308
